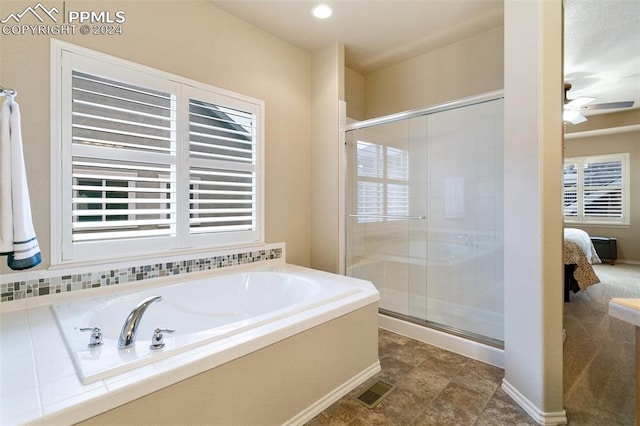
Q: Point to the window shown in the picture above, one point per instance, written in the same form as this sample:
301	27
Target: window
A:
383	174
148	161
596	189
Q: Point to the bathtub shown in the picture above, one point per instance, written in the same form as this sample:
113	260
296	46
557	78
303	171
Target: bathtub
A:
299	341
203	311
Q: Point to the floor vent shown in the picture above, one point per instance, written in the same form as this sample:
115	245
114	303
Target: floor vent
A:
372	396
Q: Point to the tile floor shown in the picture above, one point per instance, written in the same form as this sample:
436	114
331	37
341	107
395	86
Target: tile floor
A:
432	387
436	387
599	353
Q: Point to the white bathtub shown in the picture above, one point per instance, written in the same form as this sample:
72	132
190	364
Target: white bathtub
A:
205	310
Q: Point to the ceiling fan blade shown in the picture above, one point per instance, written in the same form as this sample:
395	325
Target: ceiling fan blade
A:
609	105
573	117
579	119
578	102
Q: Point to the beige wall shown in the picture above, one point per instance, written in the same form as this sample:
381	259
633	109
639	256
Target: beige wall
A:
465	68
327	78
354	94
613	122
199	41
628	236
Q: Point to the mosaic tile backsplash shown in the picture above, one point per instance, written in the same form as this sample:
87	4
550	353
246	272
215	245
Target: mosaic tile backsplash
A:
64	283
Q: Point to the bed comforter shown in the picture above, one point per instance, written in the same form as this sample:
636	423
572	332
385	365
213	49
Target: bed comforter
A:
579	250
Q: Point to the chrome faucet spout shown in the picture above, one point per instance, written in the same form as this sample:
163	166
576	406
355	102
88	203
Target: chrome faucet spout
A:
130	327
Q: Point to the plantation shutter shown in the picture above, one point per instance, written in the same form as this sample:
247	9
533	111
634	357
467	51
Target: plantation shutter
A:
570	197
603	189
596	189
150	162
370	166
383	174
123	160
222	167
398	173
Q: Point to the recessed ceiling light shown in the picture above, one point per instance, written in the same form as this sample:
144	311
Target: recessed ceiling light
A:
322	11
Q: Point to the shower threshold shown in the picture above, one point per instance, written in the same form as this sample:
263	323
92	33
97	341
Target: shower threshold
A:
499	344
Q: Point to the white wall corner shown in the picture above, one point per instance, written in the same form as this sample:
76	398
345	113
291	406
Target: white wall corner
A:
533	210
326	88
342	185
539	416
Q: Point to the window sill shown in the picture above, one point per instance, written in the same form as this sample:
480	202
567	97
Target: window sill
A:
598	225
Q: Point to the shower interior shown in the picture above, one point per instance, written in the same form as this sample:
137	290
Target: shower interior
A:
425	215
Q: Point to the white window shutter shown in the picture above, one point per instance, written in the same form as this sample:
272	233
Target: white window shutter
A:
596	189
223	168
150	161
603	189
123	160
570	198
222	188
383	190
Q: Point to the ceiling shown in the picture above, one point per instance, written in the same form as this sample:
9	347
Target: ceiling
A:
376	33
602	37
602	50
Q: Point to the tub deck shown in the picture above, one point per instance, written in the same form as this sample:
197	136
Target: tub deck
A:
40	384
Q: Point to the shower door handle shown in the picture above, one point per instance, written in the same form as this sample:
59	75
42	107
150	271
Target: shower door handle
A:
382	216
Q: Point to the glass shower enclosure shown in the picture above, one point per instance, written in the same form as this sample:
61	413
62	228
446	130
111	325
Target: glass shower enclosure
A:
425	215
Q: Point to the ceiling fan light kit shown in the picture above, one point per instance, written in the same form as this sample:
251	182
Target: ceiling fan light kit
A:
573	107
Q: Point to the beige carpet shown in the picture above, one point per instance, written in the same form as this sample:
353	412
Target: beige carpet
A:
599	351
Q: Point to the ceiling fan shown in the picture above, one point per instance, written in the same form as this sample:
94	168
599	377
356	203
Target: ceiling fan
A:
573	107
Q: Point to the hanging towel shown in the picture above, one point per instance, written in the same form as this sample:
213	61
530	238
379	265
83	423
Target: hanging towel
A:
17	236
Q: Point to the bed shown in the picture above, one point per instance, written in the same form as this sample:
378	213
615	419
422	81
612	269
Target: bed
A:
578	256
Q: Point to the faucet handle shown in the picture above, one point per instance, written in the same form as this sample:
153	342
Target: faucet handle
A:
157	341
96	336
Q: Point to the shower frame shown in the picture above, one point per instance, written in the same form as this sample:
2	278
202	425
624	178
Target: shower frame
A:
493	348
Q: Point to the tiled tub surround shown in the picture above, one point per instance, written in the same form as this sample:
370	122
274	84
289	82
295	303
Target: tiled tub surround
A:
40	386
24	285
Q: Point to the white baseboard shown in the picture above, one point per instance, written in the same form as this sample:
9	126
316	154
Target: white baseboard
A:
540	417
628	262
325	402
459	345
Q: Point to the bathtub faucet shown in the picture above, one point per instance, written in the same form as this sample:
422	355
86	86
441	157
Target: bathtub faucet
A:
130	327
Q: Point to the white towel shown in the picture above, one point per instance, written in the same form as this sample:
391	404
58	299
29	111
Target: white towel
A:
17	236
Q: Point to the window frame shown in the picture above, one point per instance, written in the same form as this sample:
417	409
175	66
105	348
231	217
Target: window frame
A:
63	251
581	218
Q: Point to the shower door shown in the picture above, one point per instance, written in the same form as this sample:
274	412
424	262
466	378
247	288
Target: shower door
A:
465	290
383	220
425	215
